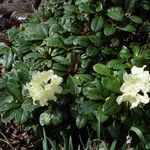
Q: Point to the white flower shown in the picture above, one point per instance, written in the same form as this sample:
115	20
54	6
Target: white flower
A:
135	87
43	86
134	100
136	81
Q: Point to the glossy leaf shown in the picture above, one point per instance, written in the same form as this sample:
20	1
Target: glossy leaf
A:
111	107
97	23
13	89
111	83
136	19
93	91
54	42
89	107
100	115
116	64
139	134
140	61
125	54
116	13
92	51
82	40
74	85
102	69
128	28
10	114
109	30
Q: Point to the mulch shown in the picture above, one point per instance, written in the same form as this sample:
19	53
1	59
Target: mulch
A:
12	137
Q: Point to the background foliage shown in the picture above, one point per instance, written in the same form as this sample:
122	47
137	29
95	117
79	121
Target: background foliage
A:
91	44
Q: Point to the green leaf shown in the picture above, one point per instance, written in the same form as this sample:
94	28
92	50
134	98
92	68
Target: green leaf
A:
139	134
146	52
56	118
74	85
136	19
88	107
96	39
128	28
70	143
69	40
32	55
102	69
135	48
92	51
85	63
22	71
124	54
111	107
35	31
53	25
100	115
108	51
59	67
109	30
10	114
78	2
2	83
99	7
61	60
116	64
7	60
140	61
81	121
12	33
86	7
4	101
101	118
93	90
14	90
115	13
73	28
54	42
113	145
52	144
82	41
97	23
111	83
44	141
28	106
18	116
4	48
85	77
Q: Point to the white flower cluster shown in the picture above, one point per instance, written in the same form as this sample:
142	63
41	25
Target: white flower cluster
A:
135	87
43	86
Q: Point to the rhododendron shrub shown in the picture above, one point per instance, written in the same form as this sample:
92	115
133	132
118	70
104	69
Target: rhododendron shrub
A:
80	68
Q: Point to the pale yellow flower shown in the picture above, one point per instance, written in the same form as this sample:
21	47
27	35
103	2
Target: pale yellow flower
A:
133	100
43	87
135	87
138	80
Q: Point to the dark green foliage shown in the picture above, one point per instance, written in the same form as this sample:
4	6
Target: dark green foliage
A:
91	44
